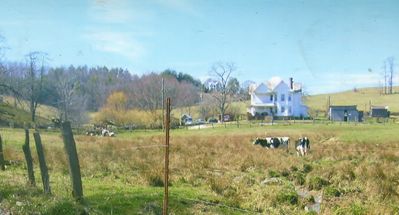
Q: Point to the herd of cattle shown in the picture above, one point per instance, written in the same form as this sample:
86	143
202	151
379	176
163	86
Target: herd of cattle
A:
302	145
101	132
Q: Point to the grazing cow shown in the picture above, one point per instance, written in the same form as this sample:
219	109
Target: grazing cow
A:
302	146
284	141
263	142
272	142
107	133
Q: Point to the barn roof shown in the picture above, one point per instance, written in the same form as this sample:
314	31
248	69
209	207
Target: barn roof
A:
343	106
379	107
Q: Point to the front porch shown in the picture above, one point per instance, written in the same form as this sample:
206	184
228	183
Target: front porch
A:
264	110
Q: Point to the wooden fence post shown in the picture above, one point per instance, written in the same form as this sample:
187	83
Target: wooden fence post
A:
166	169
2	165
72	155
28	158
42	163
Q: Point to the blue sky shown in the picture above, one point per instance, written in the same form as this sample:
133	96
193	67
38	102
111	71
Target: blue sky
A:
327	45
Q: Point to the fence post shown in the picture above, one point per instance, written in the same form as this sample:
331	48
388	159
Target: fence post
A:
72	155
42	163
28	158
2	165
166	169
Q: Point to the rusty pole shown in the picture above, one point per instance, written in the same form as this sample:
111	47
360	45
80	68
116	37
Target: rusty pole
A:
166	179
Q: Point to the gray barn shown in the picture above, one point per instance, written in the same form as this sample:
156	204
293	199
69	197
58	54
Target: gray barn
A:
345	113
379	111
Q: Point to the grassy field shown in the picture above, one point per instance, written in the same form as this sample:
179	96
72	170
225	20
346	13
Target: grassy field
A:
352	169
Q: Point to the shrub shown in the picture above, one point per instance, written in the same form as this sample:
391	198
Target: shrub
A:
316	183
287	196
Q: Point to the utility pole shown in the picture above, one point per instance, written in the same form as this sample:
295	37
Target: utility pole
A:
163	104
390	61
385	77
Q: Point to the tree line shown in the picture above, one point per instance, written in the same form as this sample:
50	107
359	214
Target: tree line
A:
76	90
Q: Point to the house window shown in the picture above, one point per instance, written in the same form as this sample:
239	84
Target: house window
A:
282	109
271	97
282	97
289	97
289	109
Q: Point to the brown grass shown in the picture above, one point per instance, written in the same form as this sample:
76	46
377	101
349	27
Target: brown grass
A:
232	168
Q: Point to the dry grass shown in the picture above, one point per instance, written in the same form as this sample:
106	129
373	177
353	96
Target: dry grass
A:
365	174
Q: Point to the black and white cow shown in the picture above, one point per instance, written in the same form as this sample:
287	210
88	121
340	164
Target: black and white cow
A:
272	142
302	146
107	133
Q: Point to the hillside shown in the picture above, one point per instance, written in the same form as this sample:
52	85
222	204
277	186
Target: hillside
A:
362	97
18	116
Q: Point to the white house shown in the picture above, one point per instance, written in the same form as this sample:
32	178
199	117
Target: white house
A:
276	98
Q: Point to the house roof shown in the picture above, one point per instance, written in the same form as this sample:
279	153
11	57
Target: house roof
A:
274	82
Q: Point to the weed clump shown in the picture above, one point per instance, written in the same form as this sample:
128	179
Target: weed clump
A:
154	180
332	191
316	183
273	174
219	185
287	196
285	173
298	178
293	168
307	168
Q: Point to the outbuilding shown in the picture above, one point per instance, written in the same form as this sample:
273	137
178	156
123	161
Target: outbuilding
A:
379	111
345	113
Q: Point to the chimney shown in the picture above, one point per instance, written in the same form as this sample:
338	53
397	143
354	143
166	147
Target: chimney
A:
291	83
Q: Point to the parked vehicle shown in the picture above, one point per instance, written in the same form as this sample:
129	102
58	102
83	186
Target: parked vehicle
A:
212	120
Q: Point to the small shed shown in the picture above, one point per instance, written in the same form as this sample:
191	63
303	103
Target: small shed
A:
379	111
345	113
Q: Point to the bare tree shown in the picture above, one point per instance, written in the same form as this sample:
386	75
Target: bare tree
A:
34	78
222	72
70	104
